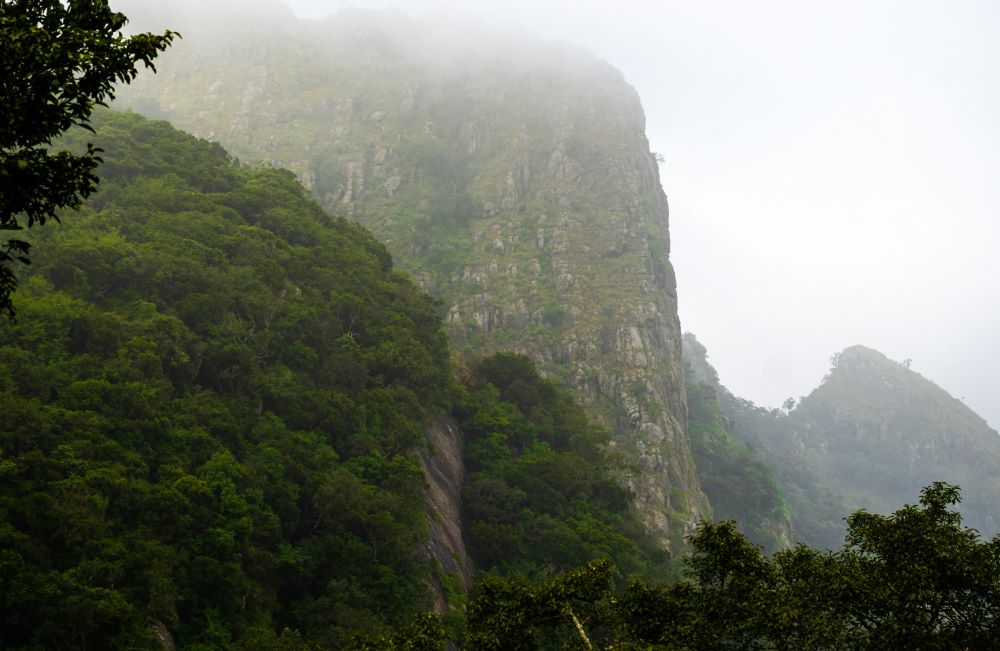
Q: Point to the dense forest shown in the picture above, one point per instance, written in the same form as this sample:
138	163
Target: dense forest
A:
541	495
214	395
210	397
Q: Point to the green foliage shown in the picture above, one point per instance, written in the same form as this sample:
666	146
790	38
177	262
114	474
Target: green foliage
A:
916	579
425	632
211	408
540	497
929	582
514	615
57	61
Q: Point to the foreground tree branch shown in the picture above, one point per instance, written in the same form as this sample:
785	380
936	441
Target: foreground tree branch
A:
58	61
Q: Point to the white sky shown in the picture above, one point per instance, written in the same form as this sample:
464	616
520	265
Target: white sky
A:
831	169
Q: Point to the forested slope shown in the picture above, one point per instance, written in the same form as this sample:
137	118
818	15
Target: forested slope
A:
541	497
210	400
214	399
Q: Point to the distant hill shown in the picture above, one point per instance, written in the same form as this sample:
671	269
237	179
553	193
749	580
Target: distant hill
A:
877	431
870	436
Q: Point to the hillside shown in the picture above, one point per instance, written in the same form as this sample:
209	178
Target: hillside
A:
885	430
511	177
227	415
868	437
206	368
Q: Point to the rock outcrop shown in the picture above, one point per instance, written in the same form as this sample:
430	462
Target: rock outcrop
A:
444	472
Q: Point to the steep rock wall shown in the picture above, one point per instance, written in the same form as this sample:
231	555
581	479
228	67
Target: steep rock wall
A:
518	188
444	472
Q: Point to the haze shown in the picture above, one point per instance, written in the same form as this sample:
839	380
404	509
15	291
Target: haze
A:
830	169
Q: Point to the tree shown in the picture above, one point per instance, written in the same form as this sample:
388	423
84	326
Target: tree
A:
565	610
916	579
58	61
928	582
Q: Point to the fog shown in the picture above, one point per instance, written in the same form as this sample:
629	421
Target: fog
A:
830	169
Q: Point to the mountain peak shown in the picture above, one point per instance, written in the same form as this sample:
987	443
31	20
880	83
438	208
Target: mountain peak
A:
884	431
858	351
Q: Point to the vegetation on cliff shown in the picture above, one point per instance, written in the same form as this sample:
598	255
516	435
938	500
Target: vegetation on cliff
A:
541	497
213	403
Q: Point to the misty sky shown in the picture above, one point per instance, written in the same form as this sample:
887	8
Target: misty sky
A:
831	173
830	169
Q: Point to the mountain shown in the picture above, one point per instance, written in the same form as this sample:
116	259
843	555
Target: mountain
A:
511	177
878	431
229	422
869	437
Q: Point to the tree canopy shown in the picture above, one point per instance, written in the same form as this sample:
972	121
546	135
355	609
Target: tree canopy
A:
541	496
211	408
58	61
916	579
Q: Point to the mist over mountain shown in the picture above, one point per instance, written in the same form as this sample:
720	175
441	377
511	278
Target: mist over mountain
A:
396	313
228	415
511	177
867	437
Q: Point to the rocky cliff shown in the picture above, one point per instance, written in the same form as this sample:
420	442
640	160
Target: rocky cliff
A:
511	177
444	472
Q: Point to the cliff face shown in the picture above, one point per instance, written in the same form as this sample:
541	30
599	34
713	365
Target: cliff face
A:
444	473
518	188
